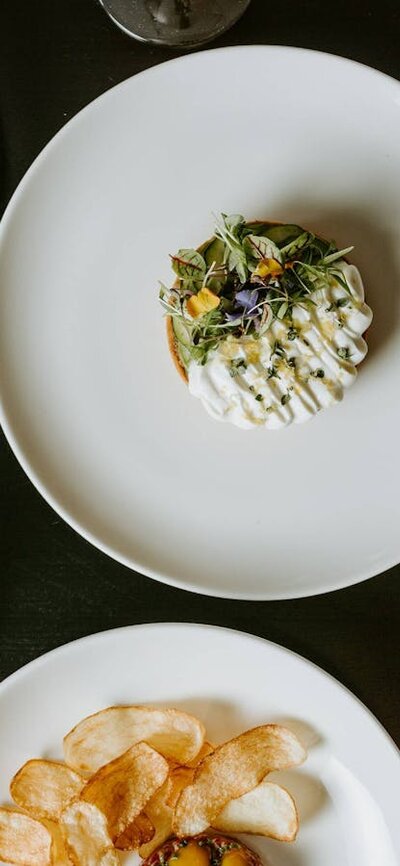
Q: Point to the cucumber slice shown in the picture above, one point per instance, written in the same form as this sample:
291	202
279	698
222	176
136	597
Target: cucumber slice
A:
256	228
279	234
182	340
214	252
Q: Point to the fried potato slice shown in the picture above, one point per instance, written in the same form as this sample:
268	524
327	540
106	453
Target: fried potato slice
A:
23	840
44	788
160	814
122	788
103	736
180	778
59	856
206	749
86	837
267	810
233	769
136	834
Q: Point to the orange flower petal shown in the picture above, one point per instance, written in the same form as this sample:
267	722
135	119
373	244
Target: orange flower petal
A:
203	302
268	268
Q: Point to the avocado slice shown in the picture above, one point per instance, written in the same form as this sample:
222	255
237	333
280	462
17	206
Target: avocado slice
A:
278	233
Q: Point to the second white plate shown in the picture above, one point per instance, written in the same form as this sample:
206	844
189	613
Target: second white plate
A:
346	792
91	403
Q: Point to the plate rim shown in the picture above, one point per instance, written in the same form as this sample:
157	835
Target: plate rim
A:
378	733
41	660
34	476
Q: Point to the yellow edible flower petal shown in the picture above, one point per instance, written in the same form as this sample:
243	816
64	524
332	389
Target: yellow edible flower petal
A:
268	268
203	302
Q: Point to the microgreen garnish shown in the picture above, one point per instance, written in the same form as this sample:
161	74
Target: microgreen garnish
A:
236	366
248	274
278	350
283	310
229	230
189	266
336	305
258	247
272	372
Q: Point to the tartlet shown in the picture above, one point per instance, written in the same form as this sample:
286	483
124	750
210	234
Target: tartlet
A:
205	849
265	322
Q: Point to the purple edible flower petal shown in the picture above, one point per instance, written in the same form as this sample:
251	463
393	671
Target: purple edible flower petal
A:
245	306
247	299
233	317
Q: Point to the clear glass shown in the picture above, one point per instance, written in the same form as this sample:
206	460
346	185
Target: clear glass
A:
178	23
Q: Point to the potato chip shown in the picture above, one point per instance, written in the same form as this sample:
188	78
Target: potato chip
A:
180	778
23	840
122	787
206	749
230	771
160	814
86	837
136	834
59	856
267	810
44	788
100	738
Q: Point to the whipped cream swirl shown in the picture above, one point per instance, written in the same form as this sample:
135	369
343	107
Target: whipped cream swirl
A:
296	368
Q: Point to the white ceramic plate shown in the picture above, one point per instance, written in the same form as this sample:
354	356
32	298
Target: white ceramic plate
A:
92	405
346	792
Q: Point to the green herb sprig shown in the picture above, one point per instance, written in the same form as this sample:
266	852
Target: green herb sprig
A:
248	300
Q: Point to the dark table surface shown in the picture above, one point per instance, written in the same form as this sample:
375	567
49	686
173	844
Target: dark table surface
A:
55	57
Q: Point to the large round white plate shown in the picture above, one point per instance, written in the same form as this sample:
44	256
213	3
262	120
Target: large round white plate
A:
346	792
92	405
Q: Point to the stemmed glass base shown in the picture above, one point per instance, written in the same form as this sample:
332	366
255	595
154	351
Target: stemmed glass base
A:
178	23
